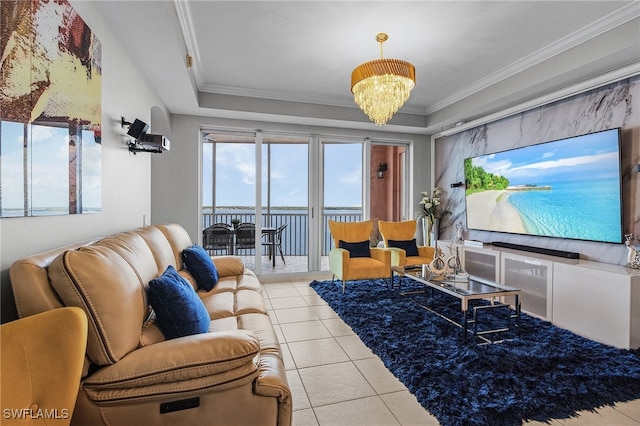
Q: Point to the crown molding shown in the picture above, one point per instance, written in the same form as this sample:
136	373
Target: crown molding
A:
188	35
601	26
611	77
298	97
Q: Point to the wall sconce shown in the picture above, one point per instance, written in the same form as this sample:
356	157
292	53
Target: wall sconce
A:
382	167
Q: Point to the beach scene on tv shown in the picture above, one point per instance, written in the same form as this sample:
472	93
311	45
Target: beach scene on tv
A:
568	188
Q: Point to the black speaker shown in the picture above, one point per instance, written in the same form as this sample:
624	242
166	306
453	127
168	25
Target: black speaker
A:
539	250
138	129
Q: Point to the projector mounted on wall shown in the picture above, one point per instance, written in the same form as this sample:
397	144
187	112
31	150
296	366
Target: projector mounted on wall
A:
143	141
150	143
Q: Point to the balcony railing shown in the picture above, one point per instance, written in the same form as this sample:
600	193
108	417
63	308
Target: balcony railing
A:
295	238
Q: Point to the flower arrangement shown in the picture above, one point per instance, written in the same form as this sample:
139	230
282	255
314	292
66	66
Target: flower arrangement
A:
430	205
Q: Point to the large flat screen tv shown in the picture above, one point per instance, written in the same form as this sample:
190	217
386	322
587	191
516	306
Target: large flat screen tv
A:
568	188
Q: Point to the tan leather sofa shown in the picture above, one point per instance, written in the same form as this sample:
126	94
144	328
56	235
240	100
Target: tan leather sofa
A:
234	374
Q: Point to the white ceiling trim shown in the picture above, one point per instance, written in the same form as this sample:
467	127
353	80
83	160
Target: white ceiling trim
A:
188	35
617	18
300	97
613	20
594	83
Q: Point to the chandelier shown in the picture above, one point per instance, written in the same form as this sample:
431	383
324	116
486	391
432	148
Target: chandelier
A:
380	87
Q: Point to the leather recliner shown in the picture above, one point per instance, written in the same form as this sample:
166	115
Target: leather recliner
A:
234	374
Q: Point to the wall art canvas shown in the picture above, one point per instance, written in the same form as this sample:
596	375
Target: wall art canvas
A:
50	110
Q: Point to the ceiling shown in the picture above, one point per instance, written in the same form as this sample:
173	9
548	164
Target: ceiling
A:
301	54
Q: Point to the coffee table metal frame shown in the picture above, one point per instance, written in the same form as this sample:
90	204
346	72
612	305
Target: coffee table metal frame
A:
474	289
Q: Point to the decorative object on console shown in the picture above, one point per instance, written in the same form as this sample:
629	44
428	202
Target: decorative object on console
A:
633	258
474	243
432	212
380	87
459	231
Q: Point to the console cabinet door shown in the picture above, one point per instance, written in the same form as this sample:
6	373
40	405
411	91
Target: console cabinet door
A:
597	304
482	263
534	277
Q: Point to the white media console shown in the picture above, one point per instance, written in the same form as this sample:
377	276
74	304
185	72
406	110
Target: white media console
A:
596	300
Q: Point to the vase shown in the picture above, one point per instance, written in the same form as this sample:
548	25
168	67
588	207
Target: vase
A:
424	227
433	231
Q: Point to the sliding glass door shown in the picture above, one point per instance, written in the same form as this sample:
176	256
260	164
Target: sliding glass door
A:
303	181
285	204
342	187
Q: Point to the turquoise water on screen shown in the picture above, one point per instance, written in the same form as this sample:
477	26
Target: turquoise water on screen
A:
585	210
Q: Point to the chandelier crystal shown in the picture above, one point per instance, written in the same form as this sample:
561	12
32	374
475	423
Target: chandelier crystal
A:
380	87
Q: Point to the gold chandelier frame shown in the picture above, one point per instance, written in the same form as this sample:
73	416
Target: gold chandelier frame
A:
380	87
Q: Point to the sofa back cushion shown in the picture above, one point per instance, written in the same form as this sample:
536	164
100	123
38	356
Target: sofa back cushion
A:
160	248
101	282
179	240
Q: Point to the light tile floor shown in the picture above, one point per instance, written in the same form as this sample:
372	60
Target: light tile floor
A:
336	380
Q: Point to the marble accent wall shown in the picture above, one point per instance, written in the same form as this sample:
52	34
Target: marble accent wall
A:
614	105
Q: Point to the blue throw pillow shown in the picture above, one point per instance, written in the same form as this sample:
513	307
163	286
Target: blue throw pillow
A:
200	266
360	249
179	310
409	246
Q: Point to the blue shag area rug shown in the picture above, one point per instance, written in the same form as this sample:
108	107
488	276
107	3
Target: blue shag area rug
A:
541	373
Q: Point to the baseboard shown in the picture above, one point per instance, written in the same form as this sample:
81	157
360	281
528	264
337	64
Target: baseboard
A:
539	250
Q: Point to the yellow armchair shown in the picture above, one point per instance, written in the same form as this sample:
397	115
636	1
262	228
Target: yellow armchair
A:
345	267
41	364
403	231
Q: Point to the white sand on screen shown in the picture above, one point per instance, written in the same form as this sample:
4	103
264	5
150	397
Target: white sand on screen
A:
492	210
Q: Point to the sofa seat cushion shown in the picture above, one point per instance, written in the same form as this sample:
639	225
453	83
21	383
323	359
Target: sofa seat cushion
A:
259	324
365	268
201	361
228	303
243	281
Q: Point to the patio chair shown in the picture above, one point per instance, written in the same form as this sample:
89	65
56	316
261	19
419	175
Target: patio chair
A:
245	236
352	258
218	237
399	237
274	240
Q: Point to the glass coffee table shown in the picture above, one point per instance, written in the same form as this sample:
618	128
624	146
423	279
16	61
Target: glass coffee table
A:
473	288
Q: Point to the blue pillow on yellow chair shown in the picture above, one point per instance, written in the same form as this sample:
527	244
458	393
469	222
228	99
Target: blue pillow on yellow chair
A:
409	246
360	249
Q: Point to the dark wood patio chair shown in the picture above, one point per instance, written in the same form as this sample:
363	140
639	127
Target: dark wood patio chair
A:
218	238
245	236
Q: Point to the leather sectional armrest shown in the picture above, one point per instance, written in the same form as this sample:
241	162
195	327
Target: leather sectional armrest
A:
228	266
216	357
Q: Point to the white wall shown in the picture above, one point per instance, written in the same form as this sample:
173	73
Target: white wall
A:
176	175
126	185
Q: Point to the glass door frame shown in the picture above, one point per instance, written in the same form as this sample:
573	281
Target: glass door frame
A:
316	190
